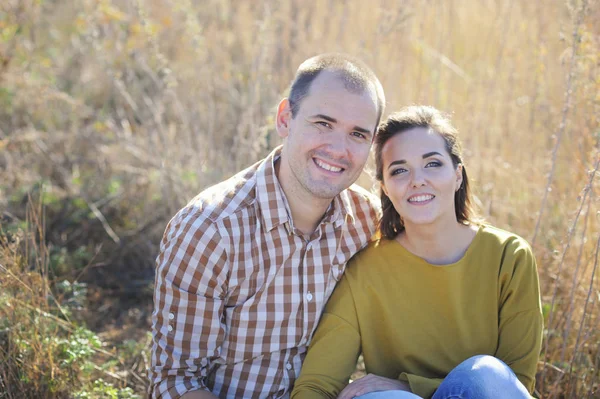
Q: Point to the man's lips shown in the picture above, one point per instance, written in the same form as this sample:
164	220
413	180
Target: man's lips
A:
327	166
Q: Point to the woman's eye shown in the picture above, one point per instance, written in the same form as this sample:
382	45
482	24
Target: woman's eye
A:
398	171
434	164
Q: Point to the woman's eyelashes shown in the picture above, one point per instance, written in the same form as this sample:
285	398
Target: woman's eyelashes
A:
398	171
429	164
433	164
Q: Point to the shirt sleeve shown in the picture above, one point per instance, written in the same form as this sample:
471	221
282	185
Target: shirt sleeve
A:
334	349
187	323
520	316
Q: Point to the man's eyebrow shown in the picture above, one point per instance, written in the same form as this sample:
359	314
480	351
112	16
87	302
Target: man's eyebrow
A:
333	120
327	118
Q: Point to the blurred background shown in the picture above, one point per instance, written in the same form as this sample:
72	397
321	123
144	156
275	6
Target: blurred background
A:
115	113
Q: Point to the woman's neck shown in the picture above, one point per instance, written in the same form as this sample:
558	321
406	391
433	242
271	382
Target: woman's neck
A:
438	244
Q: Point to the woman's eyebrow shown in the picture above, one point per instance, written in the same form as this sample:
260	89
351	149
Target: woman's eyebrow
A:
430	154
398	162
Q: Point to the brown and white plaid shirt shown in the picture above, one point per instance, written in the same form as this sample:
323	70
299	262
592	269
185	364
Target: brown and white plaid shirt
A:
239	291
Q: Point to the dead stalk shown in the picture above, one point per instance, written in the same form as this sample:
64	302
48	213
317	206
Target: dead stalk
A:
565	113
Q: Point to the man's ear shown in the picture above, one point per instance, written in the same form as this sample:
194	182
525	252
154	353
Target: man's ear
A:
284	117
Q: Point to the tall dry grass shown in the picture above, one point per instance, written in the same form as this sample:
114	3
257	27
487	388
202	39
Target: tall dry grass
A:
114	113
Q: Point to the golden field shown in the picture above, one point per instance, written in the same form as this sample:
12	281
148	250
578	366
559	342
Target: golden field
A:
114	113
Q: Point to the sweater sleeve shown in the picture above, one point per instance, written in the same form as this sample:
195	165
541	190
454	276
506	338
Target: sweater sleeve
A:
421	386
334	349
520	315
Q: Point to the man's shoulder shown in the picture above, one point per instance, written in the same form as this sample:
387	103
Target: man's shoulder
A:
358	197
225	198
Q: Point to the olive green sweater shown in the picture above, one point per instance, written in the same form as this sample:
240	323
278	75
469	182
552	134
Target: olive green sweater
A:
416	321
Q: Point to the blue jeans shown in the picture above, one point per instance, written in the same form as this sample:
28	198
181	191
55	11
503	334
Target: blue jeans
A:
481	377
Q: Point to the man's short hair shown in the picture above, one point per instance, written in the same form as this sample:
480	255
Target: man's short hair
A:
355	74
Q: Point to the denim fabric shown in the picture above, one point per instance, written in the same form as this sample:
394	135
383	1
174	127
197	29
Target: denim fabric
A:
481	377
389	395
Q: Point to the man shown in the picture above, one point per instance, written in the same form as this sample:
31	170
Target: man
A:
246	267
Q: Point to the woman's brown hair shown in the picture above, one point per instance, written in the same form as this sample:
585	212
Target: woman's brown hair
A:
391	223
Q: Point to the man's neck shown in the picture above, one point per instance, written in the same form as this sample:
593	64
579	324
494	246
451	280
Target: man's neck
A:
306	213
306	209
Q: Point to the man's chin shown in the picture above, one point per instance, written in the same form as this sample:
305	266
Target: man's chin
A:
327	192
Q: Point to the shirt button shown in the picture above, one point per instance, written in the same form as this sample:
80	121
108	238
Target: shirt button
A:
309	297
171	316
288	366
170	328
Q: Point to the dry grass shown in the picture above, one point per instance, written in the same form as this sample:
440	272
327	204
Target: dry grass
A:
113	113
45	351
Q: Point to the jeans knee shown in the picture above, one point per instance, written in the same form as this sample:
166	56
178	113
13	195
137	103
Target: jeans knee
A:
485	368
481	376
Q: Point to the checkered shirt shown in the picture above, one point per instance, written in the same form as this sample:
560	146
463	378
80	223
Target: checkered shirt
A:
239	290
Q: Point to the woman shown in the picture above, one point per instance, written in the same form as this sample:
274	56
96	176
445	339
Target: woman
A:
440	306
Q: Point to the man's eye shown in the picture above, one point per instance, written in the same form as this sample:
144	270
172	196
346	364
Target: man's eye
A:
324	124
359	135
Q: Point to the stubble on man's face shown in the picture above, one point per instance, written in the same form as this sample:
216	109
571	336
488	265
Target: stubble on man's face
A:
329	139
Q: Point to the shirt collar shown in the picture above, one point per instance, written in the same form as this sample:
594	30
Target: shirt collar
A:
341	208
273	203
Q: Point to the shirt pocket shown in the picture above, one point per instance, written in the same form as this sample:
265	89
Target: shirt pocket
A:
338	265
337	271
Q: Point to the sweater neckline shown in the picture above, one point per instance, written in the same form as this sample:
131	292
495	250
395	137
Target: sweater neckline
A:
465	256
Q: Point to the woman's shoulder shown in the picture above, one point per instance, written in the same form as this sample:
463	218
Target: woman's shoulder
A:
512	252
374	250
502	238
375	255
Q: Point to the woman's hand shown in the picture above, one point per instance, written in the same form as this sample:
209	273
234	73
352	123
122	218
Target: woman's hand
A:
372	383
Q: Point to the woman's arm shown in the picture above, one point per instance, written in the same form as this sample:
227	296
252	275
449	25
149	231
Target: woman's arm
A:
520	322
372	383
334	349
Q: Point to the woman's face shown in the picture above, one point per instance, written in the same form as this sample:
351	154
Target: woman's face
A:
419	177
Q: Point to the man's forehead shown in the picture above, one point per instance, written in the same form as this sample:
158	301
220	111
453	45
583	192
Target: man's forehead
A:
342	104
336	79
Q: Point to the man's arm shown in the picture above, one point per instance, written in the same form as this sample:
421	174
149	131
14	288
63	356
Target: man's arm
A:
187	325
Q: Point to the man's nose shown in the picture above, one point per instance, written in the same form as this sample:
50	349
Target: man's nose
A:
337	145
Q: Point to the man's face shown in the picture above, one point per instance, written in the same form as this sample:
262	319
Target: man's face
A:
327	144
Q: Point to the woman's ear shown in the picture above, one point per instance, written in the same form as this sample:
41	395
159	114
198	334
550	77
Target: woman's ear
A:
382	185
284	116
459	176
